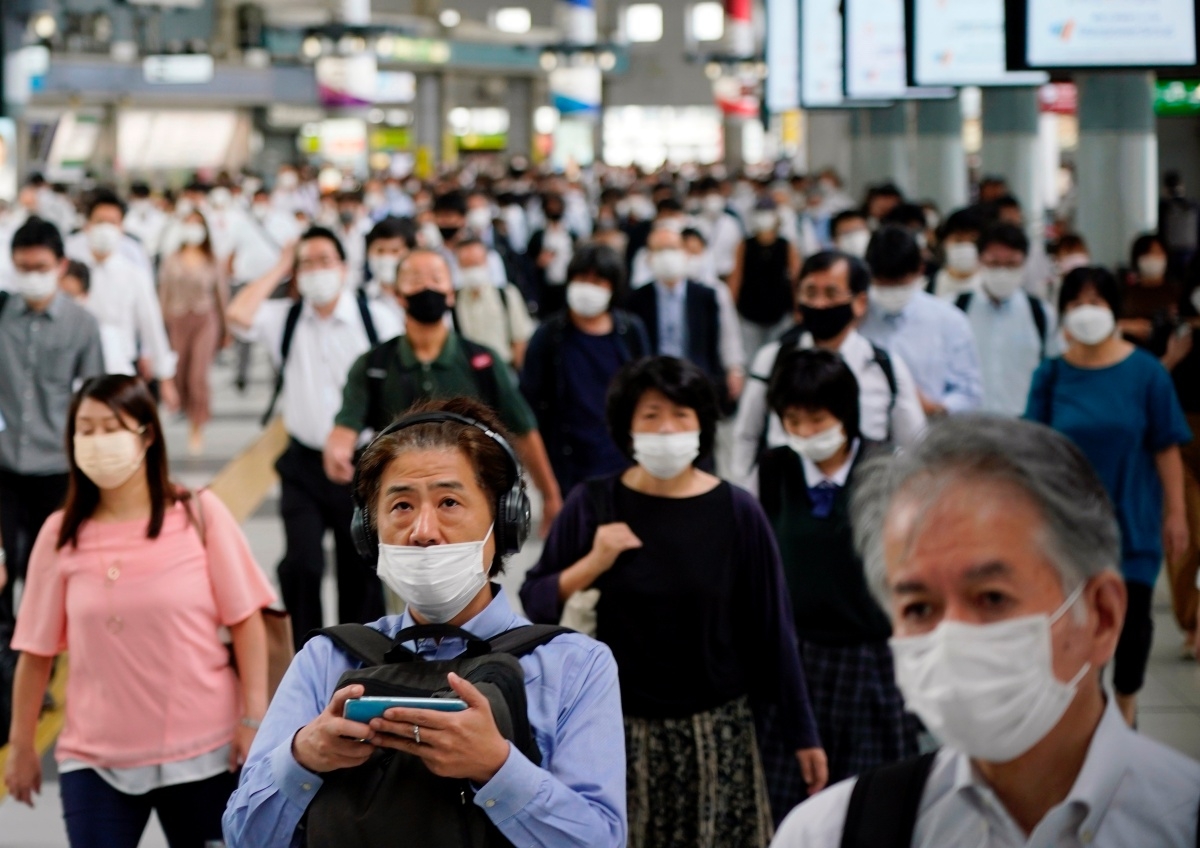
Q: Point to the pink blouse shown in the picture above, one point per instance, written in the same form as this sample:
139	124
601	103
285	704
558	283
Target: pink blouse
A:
149	679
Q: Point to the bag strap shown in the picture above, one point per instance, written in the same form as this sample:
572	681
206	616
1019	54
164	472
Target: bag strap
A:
1039	319
600	500
196	516
365	644
963	301
884	361
884	804
364	310
523	640
285	348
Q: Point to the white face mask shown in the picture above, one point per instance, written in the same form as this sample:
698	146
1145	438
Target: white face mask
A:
891	300
430	236
666	455
713	205
475	278
1090	325
36	285
988	690
819	447
103	238
437	581
668	264
764	222
192	234
1152	267
479	218
1002	283
588	299
383	269
109	459
320	287
1076	260
855	243
962	257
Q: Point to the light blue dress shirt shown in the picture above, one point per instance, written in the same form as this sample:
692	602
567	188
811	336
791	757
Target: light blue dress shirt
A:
575	798
934	339
1010	349
672	318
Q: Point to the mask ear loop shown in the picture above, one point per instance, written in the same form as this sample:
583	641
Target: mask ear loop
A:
1071	600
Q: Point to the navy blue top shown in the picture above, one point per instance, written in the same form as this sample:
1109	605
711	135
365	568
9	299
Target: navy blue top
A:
1121	417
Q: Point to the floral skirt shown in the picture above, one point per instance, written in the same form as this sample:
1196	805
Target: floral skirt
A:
697	781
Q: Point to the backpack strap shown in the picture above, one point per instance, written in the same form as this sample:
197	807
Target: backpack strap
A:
364	309
483	366
285	348
523	640
365	644
1039	319
963	301
196	516
884	804
884	361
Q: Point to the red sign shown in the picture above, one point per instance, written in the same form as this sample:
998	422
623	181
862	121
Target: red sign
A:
1058	98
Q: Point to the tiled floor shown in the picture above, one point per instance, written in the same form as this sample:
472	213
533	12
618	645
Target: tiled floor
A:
1169	705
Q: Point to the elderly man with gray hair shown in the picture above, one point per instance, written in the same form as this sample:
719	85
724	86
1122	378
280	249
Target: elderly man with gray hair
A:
994	548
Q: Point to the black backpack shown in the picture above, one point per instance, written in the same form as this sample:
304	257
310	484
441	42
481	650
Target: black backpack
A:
963	302
289	330
393	795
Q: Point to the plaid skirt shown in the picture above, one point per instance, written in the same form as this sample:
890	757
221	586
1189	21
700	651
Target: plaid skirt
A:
860	716
696	782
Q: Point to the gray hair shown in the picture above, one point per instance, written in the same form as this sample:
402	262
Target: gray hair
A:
1082	537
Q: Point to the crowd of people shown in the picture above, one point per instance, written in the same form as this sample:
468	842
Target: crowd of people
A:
824	485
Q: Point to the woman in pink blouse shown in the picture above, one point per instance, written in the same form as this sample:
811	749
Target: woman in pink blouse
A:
193	291
123	580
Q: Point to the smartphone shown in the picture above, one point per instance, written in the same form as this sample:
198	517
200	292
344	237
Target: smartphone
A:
365	709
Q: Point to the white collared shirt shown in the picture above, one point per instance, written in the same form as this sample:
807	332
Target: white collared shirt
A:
123	299
814	476
1010	349
949	287
322	351
495	322
906	422
1131	792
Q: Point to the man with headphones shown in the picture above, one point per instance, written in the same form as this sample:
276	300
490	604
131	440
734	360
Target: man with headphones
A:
439	503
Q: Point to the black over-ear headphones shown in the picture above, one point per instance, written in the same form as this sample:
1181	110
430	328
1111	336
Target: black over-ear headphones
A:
513	516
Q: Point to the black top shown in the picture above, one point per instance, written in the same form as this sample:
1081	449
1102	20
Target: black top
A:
765	296
830	598
697	617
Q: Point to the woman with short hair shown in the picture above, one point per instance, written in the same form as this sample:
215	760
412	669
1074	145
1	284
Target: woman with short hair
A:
134	578
694	606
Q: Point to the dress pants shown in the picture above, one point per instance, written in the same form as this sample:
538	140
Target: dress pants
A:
311	504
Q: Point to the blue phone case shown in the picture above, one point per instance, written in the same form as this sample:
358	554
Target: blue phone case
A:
365	709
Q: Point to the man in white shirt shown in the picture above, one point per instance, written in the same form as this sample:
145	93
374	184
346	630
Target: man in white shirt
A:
145	221
122	296
832	297
331	328
961	271
103	232
1013	329
995	550
722	229
849	233
487	314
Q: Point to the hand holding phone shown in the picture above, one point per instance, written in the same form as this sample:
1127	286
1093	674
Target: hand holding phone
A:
365	709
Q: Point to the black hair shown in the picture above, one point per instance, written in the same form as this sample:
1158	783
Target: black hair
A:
669	204
843	216
469	242
313	233
705	185
907	215
893	254
139	190
1006	235
816	379
859	276
692	232
604	262
104	197
679	380
884	190
454	202
1071	241
961	222
38	232
1141	246
80	272
1101	279
392	227
1008	201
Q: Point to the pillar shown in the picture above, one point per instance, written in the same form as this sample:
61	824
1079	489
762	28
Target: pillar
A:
430	121
941	160
1117	162
879	148
518	99
739	28
1011	146
826	135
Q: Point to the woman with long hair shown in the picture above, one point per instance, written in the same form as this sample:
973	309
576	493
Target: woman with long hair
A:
194	292
134	578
